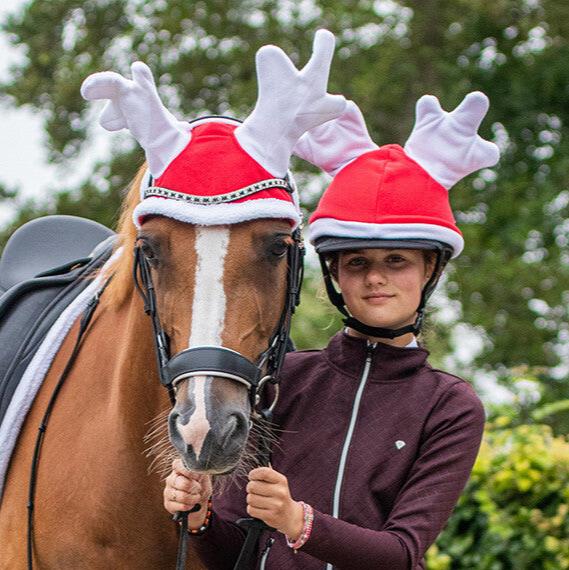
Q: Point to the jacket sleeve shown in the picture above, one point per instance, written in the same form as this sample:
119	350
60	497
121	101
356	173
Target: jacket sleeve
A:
452	436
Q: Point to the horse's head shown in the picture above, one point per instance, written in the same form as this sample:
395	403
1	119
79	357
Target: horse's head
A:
215	218
216	286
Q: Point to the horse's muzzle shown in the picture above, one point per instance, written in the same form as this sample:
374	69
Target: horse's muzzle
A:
211	446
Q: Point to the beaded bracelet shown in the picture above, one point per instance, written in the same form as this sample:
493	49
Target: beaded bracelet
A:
308	514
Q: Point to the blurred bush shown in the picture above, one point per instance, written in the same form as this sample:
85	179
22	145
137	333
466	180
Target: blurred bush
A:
316	319
514	512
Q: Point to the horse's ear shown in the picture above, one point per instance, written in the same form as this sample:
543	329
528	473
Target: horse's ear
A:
290	102
336	143
447	145
134	104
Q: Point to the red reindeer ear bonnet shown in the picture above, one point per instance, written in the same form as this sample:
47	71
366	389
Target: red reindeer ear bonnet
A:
393	194
240	168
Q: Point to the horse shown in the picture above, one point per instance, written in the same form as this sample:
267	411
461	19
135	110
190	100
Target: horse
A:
95	455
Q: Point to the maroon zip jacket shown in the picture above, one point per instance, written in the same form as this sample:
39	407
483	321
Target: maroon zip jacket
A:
378	442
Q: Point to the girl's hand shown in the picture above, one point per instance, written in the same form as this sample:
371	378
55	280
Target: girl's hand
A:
268	499
184	490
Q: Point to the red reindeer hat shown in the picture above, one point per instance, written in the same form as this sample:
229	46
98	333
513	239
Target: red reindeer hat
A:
394	193
217	170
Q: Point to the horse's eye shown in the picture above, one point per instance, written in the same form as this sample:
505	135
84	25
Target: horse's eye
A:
279	249
148	253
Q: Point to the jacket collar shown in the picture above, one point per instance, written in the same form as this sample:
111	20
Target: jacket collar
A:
389	363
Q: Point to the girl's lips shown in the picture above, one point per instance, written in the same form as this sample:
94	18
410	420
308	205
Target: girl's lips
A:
378	295
379	298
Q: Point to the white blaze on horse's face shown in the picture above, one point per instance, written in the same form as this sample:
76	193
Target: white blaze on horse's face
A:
208	318
208	309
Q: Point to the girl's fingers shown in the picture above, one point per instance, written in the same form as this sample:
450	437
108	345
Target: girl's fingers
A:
173	507
267	503
172	493
265	474
175	482
184	484
178	468
261	488
207	485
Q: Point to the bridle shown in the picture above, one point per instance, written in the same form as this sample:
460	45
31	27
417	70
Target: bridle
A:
218	361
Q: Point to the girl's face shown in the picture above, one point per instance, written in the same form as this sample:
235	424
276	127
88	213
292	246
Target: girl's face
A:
382	287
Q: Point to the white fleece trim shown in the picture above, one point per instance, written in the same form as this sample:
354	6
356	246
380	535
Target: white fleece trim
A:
220	214
36	371
363	230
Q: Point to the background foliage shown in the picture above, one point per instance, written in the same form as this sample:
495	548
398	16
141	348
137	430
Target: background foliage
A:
509	289
515	510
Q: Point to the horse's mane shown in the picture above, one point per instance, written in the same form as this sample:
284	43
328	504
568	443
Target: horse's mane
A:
122	285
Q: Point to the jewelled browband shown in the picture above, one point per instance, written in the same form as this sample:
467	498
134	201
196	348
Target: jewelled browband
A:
220	198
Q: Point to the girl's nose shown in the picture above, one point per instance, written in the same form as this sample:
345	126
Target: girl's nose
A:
375	276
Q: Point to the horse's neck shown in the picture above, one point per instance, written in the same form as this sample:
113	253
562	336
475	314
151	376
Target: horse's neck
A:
93	457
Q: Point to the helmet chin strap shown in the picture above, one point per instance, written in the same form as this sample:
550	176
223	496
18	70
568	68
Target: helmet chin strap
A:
380	332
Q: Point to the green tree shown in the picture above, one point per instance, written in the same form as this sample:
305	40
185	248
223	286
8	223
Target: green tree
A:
512	278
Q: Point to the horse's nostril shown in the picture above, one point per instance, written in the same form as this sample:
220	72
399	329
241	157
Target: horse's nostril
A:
233	428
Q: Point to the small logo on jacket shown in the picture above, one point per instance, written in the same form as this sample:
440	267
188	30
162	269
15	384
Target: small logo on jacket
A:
399	444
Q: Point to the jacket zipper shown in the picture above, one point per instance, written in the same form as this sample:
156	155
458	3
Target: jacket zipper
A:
349	435
265	553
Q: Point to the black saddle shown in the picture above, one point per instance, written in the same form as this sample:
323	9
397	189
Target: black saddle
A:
43	268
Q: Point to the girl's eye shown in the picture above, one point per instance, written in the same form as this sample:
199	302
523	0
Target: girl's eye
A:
357	261
395	259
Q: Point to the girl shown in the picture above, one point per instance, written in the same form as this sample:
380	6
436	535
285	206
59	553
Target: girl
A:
376	445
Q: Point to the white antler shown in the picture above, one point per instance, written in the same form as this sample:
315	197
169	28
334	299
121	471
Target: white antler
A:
135	105
290	102
447	145
334	144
